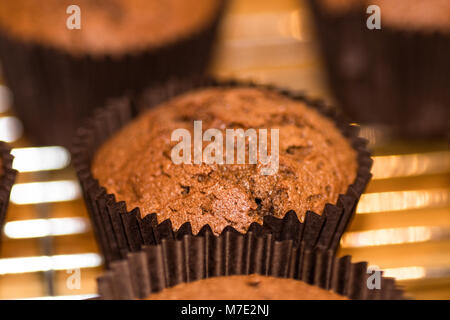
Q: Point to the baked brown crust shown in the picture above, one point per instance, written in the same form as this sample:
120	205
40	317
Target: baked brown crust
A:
246	287
430	15
316	163
112	27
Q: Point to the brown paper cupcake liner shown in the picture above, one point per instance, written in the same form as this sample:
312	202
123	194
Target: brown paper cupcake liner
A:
194	258
120	231
397	78
7	178
54	90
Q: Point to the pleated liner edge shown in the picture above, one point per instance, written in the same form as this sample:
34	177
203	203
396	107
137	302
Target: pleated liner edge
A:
193	258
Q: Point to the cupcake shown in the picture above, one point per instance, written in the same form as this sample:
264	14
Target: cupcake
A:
58	74
190	269
319	165
7	177
396	76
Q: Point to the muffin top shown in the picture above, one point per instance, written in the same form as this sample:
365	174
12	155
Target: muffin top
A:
112	27
316	163
248	287
430	15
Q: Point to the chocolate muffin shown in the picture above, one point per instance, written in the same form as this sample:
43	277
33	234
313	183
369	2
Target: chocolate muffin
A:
245	287
396	76
316	162
58	75
305	190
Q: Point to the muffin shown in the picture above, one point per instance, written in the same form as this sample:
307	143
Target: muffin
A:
247	287
7	177
318	162
58	75
193	268
396	76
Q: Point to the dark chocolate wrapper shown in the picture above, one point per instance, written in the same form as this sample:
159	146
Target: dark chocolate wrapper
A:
194	258
7	179
54	90
392	77
120	231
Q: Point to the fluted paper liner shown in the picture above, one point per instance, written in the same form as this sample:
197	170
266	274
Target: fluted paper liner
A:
7	179
55	90
392	77
120	231
194	258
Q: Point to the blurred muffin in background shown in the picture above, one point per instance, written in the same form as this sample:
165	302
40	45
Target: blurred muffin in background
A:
317	162
246	287
396	76
58	75
125	166
275	272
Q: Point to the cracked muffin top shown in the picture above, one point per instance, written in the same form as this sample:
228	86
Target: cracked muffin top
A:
113	27
316	162
246	287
